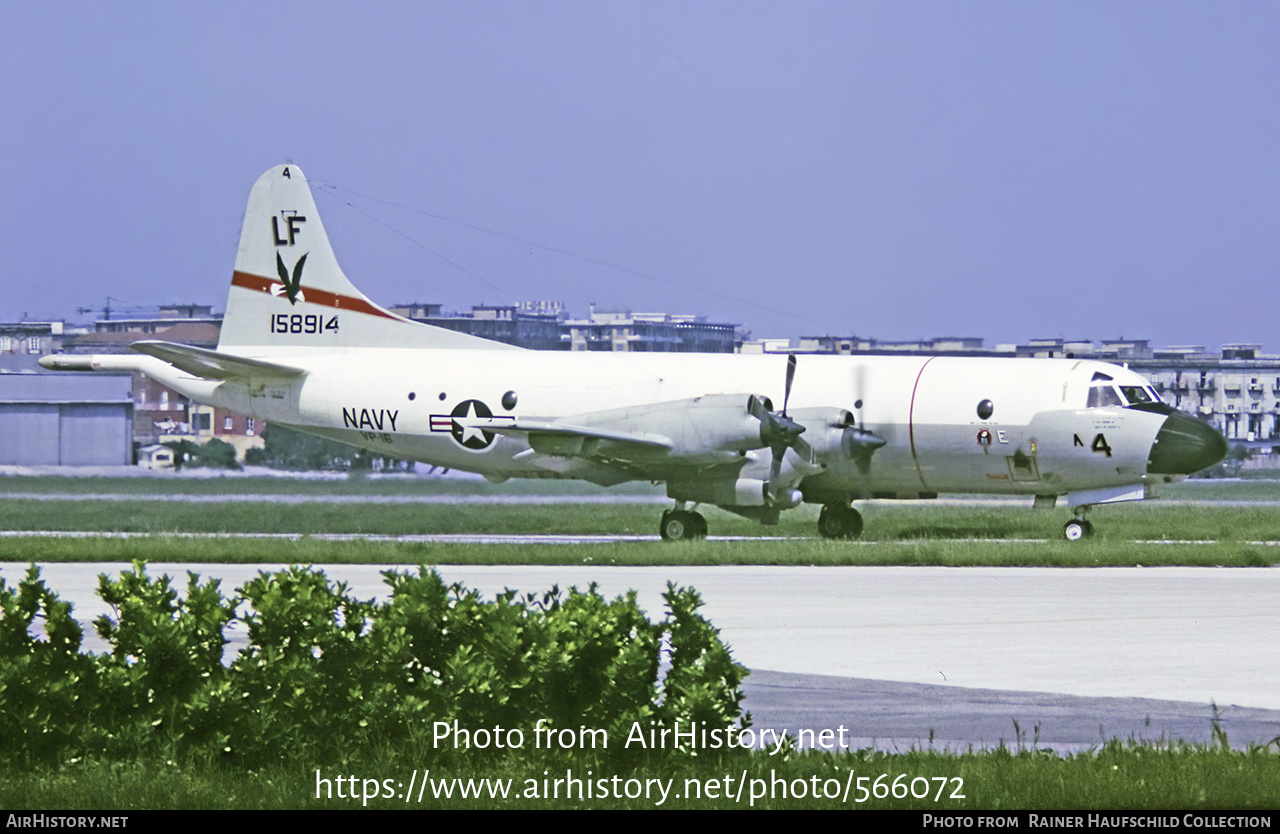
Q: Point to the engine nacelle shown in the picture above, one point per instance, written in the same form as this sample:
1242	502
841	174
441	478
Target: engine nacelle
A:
833	433
824	429
715	428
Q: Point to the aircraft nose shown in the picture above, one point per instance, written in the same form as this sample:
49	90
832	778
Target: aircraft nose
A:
1185	445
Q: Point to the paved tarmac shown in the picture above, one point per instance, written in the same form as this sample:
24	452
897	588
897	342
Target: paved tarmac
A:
948	657
897	716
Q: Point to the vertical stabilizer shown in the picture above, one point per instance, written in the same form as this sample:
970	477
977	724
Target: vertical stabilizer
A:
289	292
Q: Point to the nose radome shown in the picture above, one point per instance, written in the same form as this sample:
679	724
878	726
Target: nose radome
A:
1185	445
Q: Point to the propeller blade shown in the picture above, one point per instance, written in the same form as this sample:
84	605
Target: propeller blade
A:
775	472
778	431
859	388
804	450
859	443
791	376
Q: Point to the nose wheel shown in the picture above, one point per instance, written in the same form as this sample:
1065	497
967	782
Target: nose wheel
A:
682	525
1077	529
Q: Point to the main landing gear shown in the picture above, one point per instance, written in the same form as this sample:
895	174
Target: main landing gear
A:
682	525
837	521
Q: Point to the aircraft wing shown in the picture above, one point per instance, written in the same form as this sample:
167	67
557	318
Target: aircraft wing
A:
649	440
568	440
211	364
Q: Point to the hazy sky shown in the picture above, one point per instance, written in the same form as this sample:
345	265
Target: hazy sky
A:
1007	170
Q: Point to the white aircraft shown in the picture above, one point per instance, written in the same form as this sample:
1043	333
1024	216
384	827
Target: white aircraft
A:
302	347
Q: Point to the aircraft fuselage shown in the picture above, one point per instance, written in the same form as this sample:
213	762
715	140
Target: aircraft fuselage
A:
1037	436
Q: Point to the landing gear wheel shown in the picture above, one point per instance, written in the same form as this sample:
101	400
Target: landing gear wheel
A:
678	525
839	522
1077	529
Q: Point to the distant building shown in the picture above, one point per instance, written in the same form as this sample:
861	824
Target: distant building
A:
199	329
22	343
1237	391
848	345
649	333
155	457
765	346
165	318
1052	348
159	413
543	325
533	325
65	420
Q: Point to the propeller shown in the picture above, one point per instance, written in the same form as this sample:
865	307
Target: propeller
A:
778	431
858	443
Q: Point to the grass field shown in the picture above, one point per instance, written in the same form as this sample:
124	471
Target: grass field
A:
1116	776
1196	523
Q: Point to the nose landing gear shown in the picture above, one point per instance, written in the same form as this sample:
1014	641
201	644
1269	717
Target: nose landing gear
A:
1078	528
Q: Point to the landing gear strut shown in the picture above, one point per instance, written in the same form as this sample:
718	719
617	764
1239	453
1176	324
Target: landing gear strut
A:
838	521
1078	528
682	525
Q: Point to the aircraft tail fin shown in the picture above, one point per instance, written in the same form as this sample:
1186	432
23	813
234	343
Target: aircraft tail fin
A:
288	291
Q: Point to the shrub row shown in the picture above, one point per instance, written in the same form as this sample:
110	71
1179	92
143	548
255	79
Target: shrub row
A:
327	677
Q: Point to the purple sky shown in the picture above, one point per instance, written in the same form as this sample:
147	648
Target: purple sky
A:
1007	170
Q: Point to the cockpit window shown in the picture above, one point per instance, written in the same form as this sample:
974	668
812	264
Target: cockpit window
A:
1139	394
1103	392
1134	394
1102	395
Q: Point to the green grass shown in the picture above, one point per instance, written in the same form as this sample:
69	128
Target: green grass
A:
897	533
1263	485
1115	776
235	484
801	552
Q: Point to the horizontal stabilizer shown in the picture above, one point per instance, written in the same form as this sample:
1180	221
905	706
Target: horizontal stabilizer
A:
211	364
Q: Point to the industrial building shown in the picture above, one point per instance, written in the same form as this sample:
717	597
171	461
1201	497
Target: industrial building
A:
65	420
543	325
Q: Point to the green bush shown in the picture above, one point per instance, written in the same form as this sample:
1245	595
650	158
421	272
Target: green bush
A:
327	677
214	454
286	448
47	686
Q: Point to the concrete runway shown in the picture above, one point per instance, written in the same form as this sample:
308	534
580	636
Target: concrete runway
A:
900	656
